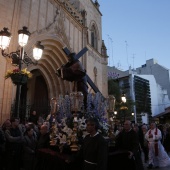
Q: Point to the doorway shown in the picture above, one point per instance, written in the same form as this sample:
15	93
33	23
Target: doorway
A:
40	102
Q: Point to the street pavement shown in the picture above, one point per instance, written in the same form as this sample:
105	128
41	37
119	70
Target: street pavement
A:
162	168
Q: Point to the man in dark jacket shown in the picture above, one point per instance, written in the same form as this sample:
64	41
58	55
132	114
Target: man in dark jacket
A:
14	141
94	150
128	142
44	137
33	117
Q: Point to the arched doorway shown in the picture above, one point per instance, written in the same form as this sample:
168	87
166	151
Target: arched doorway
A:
40	97
33	96
37	94
45	84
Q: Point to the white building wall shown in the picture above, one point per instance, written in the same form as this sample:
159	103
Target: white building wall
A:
159	97
132	94
161	74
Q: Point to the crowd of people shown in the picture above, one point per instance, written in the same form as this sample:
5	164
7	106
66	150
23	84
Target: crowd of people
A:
153	143
19	143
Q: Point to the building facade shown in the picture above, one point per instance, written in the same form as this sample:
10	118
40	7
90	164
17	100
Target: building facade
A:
162	78
74	24
137	90
161	74
158	78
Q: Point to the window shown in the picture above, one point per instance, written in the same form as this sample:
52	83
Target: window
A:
93	37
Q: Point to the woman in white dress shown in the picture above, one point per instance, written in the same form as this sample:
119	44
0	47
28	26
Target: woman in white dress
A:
158	157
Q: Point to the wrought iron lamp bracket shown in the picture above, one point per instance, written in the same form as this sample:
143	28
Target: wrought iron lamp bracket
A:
15	56
27	60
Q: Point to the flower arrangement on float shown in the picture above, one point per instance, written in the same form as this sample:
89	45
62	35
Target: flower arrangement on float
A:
68	122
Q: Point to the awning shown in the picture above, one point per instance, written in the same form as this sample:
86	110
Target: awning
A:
165	113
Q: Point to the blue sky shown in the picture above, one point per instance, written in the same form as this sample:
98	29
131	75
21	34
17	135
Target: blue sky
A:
135	31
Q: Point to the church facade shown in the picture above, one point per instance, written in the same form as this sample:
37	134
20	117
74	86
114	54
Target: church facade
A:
74	24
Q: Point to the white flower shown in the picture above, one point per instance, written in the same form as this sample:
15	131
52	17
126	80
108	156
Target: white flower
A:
67	130
82	123
85	133
63	139
63	121
83	120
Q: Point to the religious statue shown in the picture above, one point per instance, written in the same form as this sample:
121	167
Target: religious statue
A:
73	71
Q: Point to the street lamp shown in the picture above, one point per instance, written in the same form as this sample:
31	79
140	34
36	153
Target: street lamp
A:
115	112
123	97
123	108
19	56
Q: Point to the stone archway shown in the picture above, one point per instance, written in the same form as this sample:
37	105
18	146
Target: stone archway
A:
53	58
44	75
34	96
